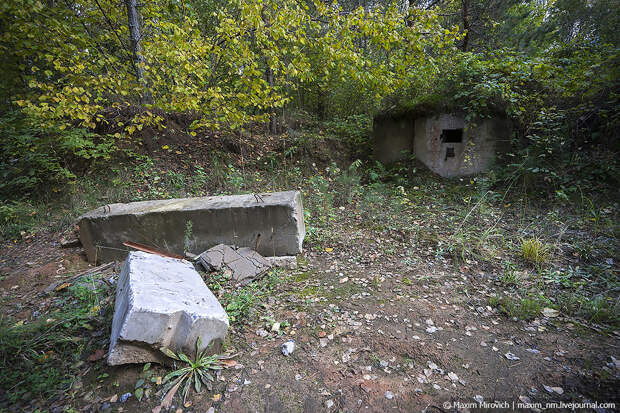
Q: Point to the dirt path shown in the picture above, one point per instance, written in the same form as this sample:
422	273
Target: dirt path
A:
377	335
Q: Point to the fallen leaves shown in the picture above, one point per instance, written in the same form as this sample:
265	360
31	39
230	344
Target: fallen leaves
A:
557	390
62	286
550	312
229	363
97	355
511	356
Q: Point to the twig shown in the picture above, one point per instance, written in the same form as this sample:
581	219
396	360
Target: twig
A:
53	286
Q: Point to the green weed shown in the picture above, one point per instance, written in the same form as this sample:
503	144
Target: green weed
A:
534	251
599	309
511	276
526	308
242	302
195	372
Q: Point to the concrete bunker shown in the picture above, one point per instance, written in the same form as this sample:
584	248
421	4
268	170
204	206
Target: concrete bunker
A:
446	143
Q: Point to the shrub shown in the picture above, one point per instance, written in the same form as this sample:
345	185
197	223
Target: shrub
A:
355	130
33	157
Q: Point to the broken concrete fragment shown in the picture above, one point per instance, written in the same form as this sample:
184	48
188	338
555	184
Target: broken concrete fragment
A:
288	262
244	263
162	302
271	223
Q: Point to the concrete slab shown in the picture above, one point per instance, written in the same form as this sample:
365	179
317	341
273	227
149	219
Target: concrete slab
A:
270	223
287	262
243	263
162	302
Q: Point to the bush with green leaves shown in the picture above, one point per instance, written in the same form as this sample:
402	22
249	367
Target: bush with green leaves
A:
355	130
33	157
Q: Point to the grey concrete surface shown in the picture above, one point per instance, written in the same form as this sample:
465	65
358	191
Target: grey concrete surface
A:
395	139
162	302
270	223
244	263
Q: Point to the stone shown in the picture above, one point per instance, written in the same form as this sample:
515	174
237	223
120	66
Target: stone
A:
271	224
288	347
288	262
243	263
162	302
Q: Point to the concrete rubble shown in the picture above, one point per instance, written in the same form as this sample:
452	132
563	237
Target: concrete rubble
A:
271	224
162	302
243	263
288	262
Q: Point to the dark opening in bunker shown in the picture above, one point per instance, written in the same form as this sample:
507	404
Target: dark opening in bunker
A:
452	135
449	153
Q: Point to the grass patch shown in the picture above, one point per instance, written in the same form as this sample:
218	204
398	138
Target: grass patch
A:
534	251
36	356
241	303
600	309
526	308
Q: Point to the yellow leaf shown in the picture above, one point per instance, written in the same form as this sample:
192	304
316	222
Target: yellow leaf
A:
62	286
329	249
165	147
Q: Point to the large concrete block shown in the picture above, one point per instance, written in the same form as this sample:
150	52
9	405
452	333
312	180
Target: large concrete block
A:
270	223
162	302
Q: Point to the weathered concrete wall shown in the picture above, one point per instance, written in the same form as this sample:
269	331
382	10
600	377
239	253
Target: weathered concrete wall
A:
162	302
271	223
393	139
476	152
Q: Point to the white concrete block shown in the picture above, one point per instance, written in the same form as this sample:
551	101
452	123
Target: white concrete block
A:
162	302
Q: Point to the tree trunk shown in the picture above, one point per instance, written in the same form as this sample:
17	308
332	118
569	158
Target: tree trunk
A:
465	25
272	117
134	40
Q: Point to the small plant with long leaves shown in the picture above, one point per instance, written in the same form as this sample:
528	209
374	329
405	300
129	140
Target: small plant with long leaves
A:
534	250
195	372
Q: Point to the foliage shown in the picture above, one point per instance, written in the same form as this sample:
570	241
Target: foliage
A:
355	130
240	303
217	72
196	371
33	157
551	67
16	217
526	308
